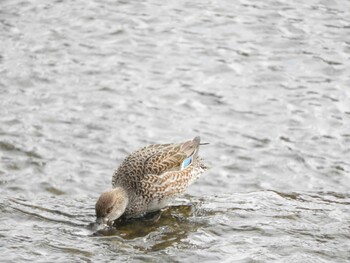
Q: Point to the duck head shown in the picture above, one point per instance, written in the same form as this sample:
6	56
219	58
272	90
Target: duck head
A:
110	206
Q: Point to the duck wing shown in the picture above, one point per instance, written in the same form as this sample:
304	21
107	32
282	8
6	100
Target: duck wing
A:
155	159
174	157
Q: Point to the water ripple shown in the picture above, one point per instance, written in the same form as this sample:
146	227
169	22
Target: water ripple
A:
85	83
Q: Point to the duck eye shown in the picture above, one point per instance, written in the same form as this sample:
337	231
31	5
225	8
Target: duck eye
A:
109	210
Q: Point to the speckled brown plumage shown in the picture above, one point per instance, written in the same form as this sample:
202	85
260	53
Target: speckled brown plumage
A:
153	175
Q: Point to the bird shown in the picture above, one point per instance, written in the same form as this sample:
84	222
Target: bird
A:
148	179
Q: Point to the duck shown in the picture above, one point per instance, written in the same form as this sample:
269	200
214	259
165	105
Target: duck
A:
148	180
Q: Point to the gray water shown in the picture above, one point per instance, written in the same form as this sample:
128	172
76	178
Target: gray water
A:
266	83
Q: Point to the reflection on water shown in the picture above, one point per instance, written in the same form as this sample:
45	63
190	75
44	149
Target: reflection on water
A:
157	231
85	83
260	225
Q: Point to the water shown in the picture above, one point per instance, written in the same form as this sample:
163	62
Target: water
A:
266	83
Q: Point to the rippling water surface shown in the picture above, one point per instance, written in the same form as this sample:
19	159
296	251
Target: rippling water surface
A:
266	83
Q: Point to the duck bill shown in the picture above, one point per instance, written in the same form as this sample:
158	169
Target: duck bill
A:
101	223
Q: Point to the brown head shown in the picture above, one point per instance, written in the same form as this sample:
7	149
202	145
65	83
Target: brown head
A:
110	206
